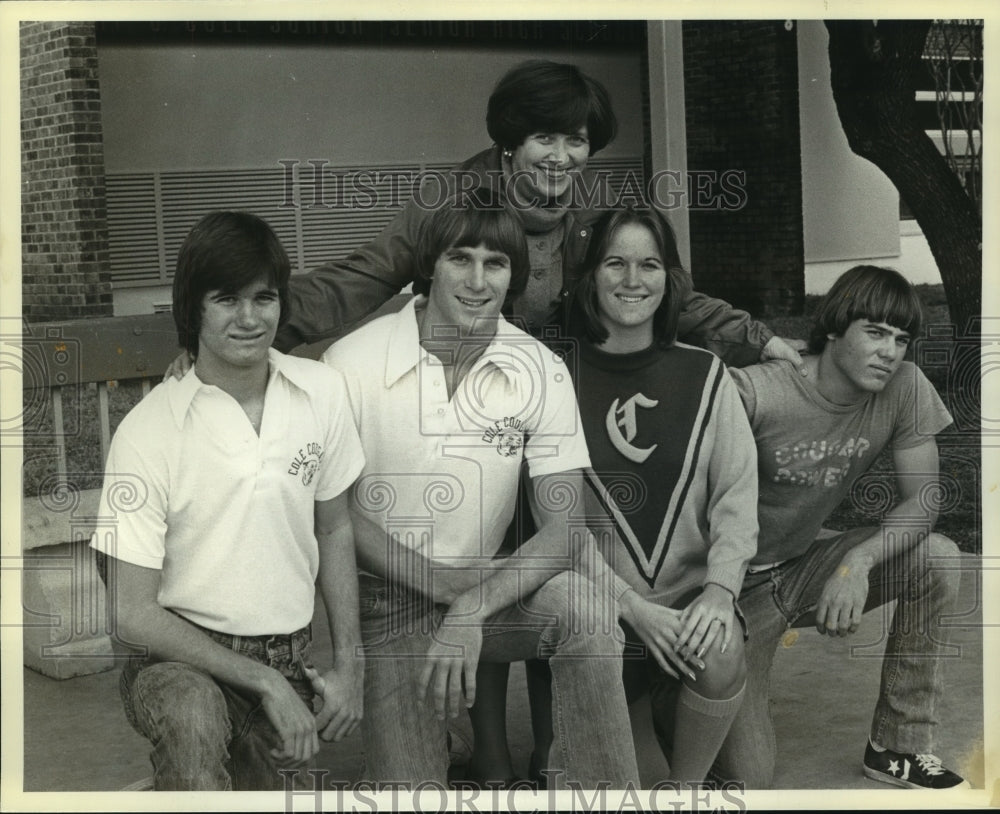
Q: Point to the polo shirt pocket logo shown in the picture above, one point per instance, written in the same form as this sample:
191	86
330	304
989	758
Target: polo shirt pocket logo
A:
306	462
507	436
509	442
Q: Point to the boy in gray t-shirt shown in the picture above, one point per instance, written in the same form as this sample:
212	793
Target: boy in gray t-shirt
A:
816	434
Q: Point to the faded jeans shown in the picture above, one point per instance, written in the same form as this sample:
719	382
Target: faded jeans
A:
207	735
916	645
566	621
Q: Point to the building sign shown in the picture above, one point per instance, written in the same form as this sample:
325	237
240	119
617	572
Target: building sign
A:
589	33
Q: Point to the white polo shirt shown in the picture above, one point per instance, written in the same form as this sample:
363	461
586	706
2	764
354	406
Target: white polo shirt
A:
443	473
227	515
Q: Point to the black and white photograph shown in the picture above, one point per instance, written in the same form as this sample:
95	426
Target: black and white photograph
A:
412	409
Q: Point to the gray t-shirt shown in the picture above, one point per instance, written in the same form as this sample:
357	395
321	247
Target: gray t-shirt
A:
810	450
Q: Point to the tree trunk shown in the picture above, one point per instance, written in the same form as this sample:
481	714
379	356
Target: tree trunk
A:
873	71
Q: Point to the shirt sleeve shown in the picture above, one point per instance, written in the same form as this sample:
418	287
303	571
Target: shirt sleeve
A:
338	357
132	518
731	334
921	414
745	388
556	443
732	495
343	458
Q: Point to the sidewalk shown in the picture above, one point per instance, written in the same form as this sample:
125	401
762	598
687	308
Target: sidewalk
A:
77	738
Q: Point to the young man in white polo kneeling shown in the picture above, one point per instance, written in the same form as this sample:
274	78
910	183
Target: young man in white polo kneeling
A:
450	399
227	495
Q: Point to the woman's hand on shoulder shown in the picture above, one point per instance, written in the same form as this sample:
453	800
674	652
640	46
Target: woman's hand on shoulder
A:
789	349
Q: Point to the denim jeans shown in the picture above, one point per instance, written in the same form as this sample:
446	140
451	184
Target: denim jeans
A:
567	621
207	735
916	644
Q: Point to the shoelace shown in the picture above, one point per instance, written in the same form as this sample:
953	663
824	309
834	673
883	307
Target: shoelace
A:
930	764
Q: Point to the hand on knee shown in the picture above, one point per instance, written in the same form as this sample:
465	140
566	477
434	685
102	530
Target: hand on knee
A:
724	673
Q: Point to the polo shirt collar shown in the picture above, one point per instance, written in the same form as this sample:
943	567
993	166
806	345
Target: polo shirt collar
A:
405	352
280	363
181	393
502	352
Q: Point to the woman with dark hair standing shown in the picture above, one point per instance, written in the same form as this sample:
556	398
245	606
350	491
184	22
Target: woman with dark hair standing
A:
546	120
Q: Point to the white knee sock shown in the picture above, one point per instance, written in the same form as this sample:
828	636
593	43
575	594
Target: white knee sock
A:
701	727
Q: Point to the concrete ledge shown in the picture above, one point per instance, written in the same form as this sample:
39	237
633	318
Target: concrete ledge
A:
58	517
65	613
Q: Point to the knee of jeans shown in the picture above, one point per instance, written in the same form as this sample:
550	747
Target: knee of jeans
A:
601	636
582	613
941	561
555	594
725	673
941	547
183	704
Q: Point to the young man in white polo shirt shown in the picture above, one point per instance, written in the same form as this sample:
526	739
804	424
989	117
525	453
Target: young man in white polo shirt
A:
816	435
450	399
227	495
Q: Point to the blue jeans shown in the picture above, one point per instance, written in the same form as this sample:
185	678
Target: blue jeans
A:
207	735
567	622
916	644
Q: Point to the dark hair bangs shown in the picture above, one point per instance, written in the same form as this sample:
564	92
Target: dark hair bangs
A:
468	222
567	115
498	231
234	272
866	292
225	251
899	308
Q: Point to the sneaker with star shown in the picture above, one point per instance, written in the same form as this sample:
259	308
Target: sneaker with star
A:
911	771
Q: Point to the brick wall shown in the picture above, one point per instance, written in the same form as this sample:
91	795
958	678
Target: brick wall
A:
63	212
741	89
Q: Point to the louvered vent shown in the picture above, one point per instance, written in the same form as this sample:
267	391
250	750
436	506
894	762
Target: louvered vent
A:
149	214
